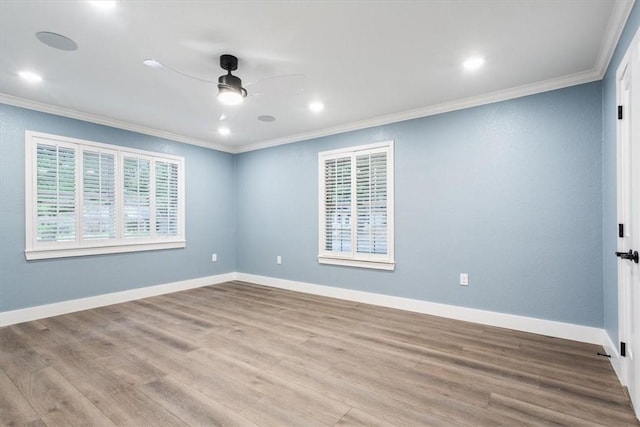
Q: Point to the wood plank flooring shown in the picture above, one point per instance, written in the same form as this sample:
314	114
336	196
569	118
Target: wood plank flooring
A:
245	355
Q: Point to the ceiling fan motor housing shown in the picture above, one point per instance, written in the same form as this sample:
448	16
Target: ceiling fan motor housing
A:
230	80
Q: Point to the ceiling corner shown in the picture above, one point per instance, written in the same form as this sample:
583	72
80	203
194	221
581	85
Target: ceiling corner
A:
617	20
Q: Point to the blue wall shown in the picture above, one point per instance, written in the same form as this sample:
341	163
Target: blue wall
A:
519	194
609	216
509	193
210	220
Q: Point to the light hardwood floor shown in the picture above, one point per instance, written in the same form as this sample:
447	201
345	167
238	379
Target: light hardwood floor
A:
247	355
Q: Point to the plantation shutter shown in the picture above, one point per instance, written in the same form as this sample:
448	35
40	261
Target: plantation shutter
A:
356	206
55	193
89	198
136	207
371	203
166	198
337	204
98	195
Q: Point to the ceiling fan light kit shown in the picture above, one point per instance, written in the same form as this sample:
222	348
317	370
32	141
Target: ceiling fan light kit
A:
230	90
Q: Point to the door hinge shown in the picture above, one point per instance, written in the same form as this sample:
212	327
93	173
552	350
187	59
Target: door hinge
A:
620	230
623	349
619	112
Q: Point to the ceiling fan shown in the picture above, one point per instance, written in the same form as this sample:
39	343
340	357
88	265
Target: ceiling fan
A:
230	89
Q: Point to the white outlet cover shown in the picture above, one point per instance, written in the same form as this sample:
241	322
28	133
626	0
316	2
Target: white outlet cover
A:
464	279
278	259
214	257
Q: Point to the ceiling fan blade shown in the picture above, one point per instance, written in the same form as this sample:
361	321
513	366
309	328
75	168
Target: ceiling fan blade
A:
153	63
286	83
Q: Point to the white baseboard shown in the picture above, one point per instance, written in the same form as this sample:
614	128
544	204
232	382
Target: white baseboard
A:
520	323
526	324
612	350
64	307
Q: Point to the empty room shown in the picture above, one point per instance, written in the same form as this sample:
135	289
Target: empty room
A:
319	213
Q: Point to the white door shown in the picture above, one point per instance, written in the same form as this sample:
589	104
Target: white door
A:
628	140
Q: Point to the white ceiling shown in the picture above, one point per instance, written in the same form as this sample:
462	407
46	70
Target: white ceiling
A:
369	62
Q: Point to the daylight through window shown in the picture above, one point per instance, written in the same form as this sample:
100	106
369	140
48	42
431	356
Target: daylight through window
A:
87	198
356	206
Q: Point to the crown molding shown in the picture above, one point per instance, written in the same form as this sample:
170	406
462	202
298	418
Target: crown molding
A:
460	104
615	26
101	120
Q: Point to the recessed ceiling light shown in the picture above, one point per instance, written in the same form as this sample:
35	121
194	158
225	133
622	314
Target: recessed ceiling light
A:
266	118
152	63
316	106
224	131
223	117
30	76
473	63
103	4
56	41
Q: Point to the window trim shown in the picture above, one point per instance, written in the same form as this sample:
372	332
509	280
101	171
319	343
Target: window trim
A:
79	247
371	261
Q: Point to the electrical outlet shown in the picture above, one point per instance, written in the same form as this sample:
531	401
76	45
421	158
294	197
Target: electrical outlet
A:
214	257
278	259
464	279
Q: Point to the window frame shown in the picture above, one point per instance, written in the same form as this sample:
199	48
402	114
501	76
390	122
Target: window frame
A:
355	259
35	250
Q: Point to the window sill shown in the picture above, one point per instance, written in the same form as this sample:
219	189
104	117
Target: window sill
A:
35	254
375	265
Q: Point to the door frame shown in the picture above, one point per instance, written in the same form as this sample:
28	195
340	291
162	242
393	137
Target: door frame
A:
631	61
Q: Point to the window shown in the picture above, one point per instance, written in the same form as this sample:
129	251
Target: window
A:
86	198
356	206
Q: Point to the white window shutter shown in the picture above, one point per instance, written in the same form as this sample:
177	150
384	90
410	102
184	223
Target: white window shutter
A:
337	205
55	193
167	206
136	206
371	202
98	195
